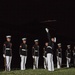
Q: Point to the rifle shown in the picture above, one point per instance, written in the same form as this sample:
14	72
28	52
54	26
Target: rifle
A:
5	64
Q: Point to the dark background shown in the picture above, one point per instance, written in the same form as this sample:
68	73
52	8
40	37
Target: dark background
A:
26	19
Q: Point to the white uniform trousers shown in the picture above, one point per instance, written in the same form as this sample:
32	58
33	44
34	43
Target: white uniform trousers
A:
50	62
68	62
36	60
8	63
45	63
59	62
23	62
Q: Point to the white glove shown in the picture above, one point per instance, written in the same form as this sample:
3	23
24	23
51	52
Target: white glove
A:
54	39
47	30
20	55
4	55
33	57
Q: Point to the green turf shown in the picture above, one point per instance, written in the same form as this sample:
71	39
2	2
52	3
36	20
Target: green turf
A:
63	71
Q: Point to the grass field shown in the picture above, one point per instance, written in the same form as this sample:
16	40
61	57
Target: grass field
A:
62	71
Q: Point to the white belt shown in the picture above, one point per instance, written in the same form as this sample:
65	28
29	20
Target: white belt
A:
49	47
68	53
36	51
7	48
24	50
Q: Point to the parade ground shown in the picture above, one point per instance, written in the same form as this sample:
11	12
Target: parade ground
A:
63	71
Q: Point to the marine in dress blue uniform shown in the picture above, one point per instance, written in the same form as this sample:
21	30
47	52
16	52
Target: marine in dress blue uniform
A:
59	56
35	54
68	56
50	48
23	53
45	55
7	53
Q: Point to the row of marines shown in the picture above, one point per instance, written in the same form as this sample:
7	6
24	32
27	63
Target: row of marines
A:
47	54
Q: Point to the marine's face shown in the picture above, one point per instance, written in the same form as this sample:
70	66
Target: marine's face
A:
52	39
59	46
8	39
24	41
36	43
46	44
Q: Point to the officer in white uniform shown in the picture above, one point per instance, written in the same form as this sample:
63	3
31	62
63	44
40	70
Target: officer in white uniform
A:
35	54
7	53
59	56
45	55
68	56
50	51
23	53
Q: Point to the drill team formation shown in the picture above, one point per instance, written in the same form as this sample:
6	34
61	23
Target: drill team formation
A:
47	53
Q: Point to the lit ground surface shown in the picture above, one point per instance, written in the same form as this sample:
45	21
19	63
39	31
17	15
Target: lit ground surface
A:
62	71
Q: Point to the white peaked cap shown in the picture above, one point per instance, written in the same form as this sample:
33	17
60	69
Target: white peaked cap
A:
36	40
54	39
59	44
9	36
24	38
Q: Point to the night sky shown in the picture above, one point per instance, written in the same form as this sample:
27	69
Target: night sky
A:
27	19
